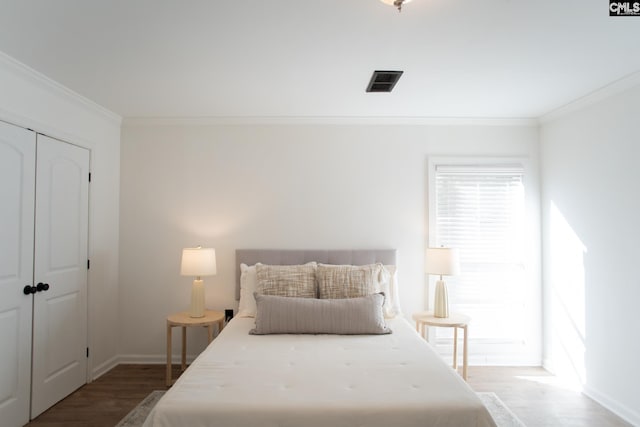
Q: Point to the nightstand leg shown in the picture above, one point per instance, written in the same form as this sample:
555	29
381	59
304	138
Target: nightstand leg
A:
184	348
168	376
464	355
210	332
455	347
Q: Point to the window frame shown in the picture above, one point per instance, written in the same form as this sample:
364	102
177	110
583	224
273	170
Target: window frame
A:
490	352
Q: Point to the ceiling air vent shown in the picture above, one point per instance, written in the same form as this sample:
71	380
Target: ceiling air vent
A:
383	81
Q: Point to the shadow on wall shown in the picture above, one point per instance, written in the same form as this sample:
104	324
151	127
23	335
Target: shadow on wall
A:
566	274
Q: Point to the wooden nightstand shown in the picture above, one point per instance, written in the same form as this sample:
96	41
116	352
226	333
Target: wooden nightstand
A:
455	321
182	319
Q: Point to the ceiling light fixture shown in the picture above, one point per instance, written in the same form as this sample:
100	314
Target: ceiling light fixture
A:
396	3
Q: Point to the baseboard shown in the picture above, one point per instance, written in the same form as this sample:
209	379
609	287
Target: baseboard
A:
151	359
624	412
135	359
497	361
105	367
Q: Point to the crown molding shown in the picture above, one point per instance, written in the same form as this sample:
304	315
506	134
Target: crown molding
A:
56	88
598	95
326	120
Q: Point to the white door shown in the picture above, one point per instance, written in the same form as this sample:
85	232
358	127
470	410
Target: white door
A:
17	187
60	272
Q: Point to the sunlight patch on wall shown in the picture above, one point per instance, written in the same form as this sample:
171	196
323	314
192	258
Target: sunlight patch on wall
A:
567	298
211	222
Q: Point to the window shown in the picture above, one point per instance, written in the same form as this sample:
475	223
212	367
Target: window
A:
481	210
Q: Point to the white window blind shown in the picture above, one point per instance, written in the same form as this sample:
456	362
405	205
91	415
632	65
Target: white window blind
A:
480	210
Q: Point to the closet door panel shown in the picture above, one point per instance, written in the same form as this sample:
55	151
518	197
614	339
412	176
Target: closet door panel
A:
17	195
60	308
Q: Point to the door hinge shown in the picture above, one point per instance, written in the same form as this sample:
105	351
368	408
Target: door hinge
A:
88	264
89	176
87	351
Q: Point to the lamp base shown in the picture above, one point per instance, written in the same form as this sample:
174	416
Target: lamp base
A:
197	299
441	300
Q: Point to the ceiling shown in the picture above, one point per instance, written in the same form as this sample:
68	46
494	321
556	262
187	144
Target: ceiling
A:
314	58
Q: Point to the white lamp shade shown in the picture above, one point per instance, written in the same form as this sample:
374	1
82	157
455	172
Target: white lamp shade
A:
198	262
442	261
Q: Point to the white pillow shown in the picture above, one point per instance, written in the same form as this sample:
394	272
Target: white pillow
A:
392	304
248	285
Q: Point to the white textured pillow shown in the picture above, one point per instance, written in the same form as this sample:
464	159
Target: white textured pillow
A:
392	303
348	316
248	285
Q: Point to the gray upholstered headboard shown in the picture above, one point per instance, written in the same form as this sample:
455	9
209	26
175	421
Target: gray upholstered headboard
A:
295	256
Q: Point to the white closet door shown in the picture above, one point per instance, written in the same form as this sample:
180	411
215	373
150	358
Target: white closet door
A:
60	312
17	187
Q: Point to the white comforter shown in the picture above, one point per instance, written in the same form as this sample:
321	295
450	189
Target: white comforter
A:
244	380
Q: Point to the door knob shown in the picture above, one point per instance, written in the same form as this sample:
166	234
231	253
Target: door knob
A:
29	290
42	287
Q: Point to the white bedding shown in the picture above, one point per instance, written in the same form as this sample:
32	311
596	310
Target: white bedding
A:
244	380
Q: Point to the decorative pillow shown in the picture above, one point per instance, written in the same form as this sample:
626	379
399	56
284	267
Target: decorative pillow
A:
347	281
392	302
349	316
287	280
248	285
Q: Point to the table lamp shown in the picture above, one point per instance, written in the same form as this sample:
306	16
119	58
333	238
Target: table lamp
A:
443	262
198	262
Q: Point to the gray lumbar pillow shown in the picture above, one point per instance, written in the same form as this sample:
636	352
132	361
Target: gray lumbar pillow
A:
290	315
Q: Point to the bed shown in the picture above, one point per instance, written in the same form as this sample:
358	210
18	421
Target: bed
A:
308	380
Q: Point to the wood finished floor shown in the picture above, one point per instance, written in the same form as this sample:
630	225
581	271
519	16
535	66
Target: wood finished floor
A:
531	393
540	399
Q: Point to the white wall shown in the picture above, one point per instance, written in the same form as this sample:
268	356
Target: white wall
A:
274	186
31	100
590	205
